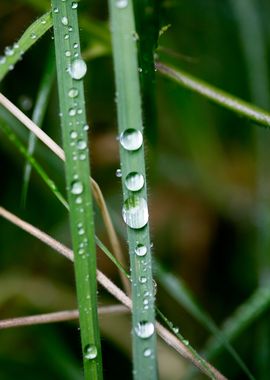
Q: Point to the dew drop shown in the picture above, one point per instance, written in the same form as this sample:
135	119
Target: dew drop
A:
43	22
135	212
78	200
73	134
72	112
121	3
67	53
142	279
141	250
66	36
9	51
134	181
118	173
73	92
90	352
75	45
76	188
78	69
81	145
64	20
86	127
131	139
147	352
55	10
144	329
74	5
33	36
2	60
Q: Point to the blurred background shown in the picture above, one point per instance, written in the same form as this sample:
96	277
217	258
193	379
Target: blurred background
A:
208	180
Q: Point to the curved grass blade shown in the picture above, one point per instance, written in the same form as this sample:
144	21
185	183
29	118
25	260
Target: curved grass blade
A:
135	211
32	34
70	72
39	113
179	291
222	98
31	160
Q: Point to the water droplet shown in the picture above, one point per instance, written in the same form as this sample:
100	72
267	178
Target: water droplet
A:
76	188
75	45
131	139
81	145
2	60
66	36
9	51
78	200
121	3
72	112
55	10
70	29
142	279
67	53
186	342
134	181
33	36
74	5
140	69
73	134
86	127
64	20
81	231
135	36
147	352
90	352
118	173
135	212
73	93
154	287
176	330
144	329
25	102
78	69
141	250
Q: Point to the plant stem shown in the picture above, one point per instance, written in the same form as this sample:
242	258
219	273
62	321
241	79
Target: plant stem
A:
135	211
70	72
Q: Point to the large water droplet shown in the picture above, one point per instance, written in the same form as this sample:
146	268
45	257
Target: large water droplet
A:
121	3
90	352
78	69
64	20
134	181
76	187
144	329
135	212
131	139
141	250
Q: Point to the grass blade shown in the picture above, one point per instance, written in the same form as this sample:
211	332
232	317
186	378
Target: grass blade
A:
216	95
135	211
39	113
70	72
32	34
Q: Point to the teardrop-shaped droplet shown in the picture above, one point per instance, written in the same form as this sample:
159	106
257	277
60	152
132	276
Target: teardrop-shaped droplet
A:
134	181
76	188
90	352
78	69
121	3
135	212
141	250
131	139
144	329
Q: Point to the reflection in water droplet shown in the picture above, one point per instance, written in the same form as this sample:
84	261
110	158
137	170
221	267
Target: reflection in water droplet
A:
144	329
64	20
90	352
134	181
118	173
72	112
78	69
73	92
135	212
141	250
74	5
81	145
121	3
76	188
73	134
131	139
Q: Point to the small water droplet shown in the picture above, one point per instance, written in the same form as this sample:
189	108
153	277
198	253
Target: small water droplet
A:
176	330
141	250
73	92
144	329
74	5
66	36
75	45
121	3
33	36
72	112
135	36
186	342
68	53
147	352
2	60
70	29
131	139
81	145
134	181
9	51
78	200
142	279
76	188
135	212
90	352
118	173
55	10
73	134
78	69
140	69
86	127
64	20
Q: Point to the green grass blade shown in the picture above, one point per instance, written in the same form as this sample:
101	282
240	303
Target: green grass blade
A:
135	211
222	98
32	34
70	72
39	113
30	159
179	291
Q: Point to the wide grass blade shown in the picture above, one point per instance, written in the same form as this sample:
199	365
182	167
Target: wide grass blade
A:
70	72
135	212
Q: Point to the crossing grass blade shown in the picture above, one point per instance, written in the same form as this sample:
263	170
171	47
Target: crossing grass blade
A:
70	72
135	211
